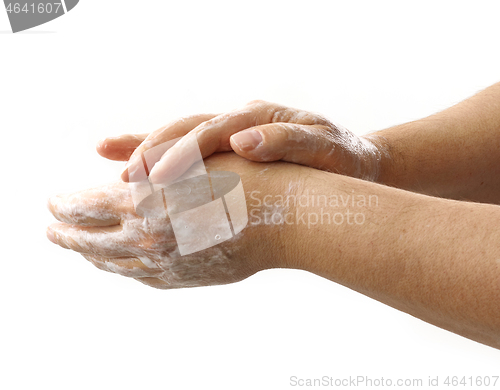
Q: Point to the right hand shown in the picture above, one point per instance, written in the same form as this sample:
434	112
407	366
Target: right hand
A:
260	131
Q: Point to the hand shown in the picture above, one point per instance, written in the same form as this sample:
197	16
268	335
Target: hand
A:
261	132
103	226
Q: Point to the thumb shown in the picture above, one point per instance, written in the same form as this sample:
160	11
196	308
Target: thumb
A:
308	145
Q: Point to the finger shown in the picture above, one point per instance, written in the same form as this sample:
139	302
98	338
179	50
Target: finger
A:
161	136
126	266
214	135
120	148
314	146
101	241
94	207
211	136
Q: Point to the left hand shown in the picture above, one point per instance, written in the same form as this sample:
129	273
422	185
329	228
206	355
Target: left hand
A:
103	226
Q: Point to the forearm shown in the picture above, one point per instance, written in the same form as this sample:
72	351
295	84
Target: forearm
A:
453	154
433	258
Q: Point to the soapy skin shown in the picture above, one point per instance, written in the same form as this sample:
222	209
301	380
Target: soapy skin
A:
434	258
452	154
261	131
103	226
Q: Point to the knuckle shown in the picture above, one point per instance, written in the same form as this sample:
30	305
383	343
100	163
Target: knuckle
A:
264	111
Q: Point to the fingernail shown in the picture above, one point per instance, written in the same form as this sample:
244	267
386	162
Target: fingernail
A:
124	174
164	169
134	171
247	140
158	177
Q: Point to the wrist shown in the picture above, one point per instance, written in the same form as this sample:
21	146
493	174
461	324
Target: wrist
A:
369	155
394	148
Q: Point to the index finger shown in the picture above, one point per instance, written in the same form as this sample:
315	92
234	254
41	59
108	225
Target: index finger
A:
103	206
176	129
120	148
102	241
214	135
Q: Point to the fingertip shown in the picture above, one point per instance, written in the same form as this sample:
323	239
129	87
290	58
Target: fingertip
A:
124	175
134	172
105	149
51	203
118	148
156	176
55	237
50	235
102	145
160	174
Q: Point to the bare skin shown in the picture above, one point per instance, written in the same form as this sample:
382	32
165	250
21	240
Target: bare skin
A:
452	154
436	259
103	226
283	133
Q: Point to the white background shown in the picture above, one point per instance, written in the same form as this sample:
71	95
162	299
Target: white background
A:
115	66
